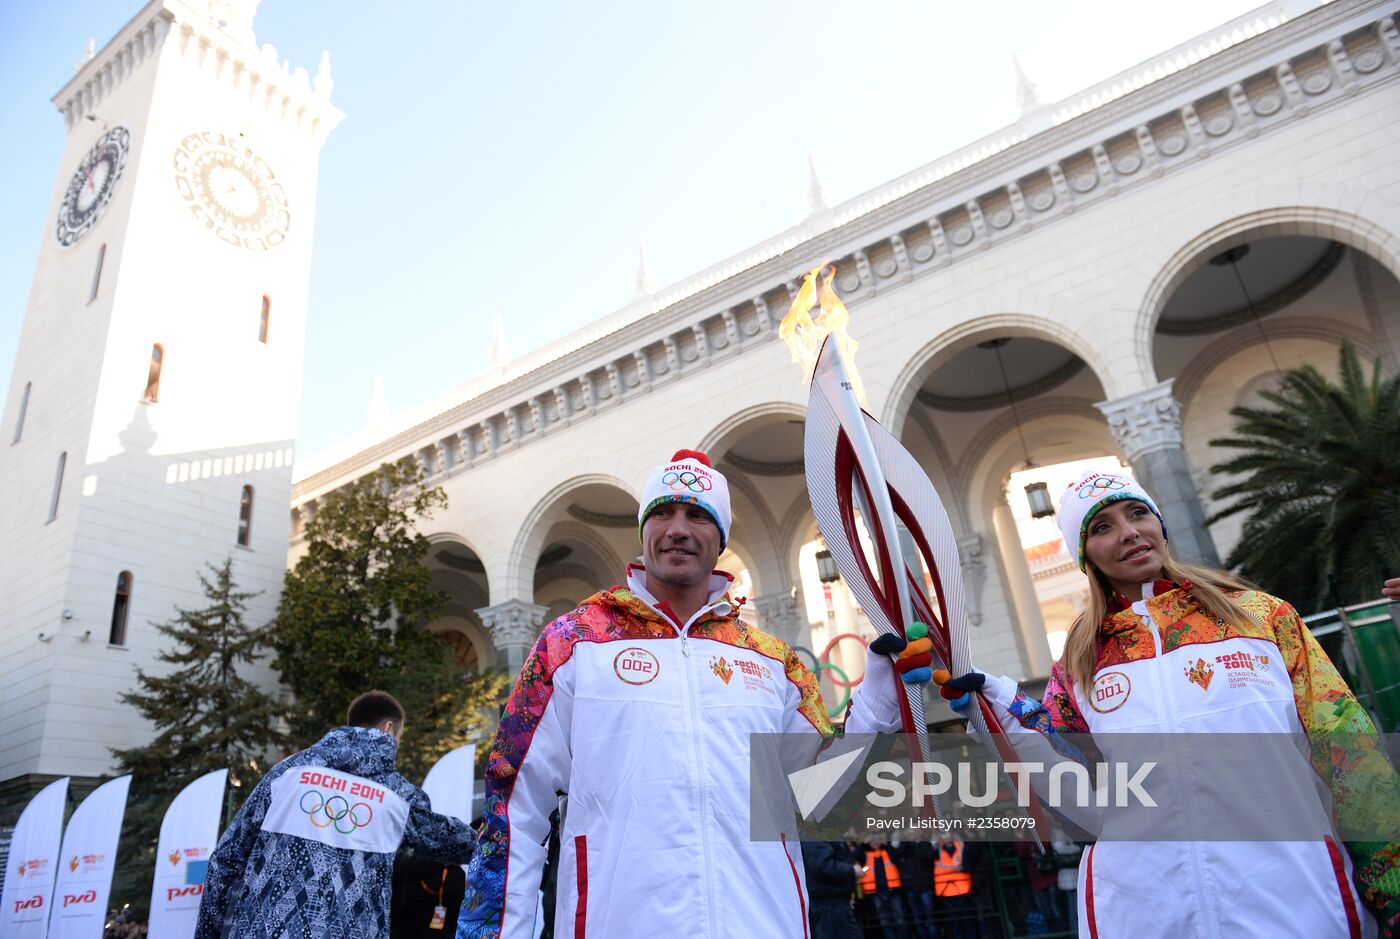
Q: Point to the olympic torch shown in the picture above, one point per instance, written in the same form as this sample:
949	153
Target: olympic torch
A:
853	465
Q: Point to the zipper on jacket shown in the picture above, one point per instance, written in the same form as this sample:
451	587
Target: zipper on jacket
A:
698	758
1209	920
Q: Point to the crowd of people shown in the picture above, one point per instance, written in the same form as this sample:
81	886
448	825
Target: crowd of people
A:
940	890
621	768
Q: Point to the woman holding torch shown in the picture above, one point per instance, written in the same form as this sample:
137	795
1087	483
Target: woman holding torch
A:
1142	656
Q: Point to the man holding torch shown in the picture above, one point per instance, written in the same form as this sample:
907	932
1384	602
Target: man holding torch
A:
639	705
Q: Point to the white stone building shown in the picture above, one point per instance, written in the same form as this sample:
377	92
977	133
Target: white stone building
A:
147	428
1084	234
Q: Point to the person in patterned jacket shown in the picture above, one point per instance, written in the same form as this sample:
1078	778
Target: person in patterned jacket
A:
639	705
311	853
1143	658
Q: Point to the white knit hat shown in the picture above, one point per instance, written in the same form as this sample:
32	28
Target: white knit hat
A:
1083	499
689	478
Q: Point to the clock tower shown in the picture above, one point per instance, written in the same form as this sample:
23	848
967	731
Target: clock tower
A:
150	420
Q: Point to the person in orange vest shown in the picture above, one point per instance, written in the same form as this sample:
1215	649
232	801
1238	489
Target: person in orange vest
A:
881	882
952	883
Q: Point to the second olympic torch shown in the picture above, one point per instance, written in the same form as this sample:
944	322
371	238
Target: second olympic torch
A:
854	467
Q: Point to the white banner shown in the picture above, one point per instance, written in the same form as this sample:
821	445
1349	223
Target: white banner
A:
188	834
450	782
24	905
86	863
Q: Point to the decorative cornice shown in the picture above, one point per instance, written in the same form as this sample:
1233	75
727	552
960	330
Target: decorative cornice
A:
1260	83
601	519
1020	393
1289	293
288	94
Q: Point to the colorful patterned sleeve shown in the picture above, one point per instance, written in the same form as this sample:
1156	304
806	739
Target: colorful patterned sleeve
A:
1054	717
1058	701
1347	754
811	709
527	768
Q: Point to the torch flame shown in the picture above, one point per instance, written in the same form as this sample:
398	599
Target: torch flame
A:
805	334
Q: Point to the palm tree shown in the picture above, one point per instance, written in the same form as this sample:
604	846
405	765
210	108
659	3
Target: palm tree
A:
1319	475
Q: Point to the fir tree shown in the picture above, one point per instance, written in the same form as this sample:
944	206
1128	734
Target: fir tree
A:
351	613
207	716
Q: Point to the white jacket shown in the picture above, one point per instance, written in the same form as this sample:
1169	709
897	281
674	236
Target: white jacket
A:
1168	667
644	722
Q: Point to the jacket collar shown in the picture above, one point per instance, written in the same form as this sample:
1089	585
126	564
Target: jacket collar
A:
1165	600
363	751
719	604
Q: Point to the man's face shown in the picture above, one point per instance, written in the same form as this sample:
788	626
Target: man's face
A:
680	544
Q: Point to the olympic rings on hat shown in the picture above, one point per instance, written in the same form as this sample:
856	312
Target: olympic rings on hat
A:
685	479
336	811
1101	485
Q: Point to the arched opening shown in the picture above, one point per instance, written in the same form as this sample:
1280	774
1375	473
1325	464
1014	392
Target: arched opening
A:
245	517
993	415
590	535
152	394
23	410
121	605
1248	307
457	570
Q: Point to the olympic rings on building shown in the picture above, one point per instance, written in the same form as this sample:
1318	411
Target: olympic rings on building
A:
824	665
336	811
826	656
686	480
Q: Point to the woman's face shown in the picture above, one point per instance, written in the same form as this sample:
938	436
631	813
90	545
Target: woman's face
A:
1125	543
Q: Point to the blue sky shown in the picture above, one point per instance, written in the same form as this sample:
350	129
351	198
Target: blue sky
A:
508	158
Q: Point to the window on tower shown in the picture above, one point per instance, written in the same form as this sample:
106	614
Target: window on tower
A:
120	605
97	272
57	485
153	376
266	315
245	516
23	409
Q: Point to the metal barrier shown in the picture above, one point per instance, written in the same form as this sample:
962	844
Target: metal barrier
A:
1363	641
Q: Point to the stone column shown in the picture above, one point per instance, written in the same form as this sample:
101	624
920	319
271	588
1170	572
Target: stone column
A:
1147	426
513	626
1020	590
781	616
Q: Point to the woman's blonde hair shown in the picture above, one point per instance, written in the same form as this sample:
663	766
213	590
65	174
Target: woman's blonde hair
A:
1210	587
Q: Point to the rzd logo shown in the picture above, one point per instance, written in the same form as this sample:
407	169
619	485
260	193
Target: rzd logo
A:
69	898
33	903
193	890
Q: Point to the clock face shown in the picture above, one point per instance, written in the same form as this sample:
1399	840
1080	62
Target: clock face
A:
92	186
231	191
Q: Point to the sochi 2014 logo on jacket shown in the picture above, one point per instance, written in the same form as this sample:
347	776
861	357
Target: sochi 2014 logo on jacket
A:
337	809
